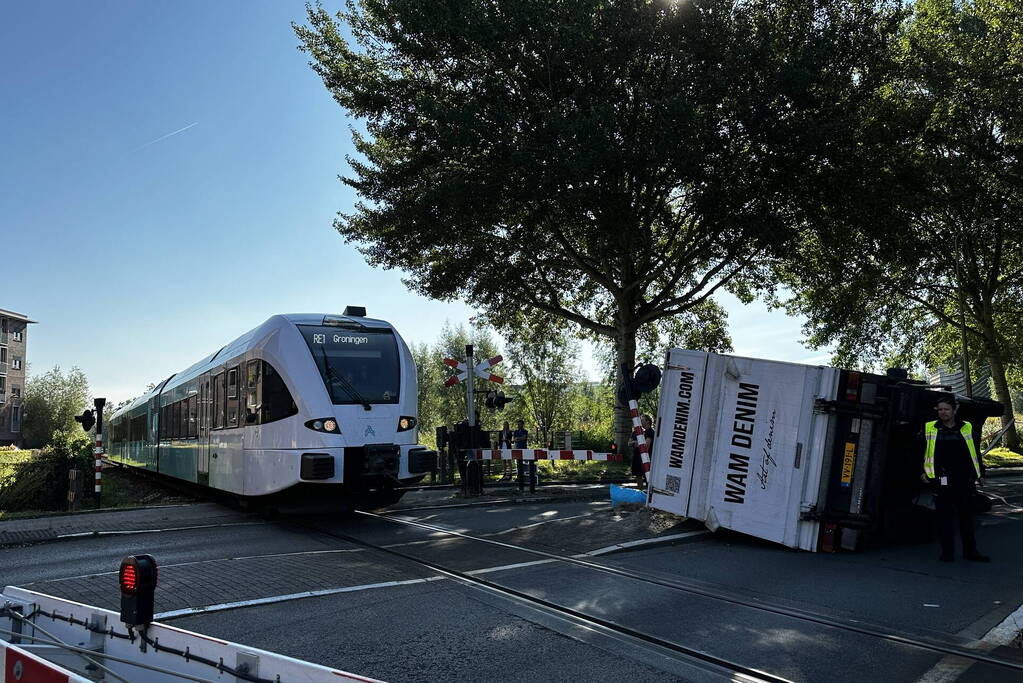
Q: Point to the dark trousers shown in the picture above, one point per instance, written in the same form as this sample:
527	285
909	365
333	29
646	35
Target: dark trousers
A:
951	504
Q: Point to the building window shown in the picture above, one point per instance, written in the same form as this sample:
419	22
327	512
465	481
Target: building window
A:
16	363
15	392
19	336
15	418
3	354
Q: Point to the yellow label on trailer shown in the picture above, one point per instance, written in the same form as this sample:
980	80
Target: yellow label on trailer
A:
848	464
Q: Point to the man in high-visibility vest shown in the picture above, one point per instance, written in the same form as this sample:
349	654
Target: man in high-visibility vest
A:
951	467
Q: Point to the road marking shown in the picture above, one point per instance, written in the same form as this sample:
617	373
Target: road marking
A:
194	562
546	521
950	667
129	532
1007	631
389	584
643	541
172	614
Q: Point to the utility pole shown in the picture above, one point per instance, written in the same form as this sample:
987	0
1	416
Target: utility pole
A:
470	380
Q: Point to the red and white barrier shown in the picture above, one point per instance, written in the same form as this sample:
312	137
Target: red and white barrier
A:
19	666
539	454
637	431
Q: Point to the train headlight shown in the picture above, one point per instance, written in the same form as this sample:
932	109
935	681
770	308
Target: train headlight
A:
406	423
324	424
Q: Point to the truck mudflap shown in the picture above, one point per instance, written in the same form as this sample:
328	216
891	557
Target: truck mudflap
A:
74	631
739	446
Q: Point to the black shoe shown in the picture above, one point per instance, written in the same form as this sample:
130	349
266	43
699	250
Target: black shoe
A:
977	557
946	558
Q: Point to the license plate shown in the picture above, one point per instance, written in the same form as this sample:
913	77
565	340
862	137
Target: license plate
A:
848	464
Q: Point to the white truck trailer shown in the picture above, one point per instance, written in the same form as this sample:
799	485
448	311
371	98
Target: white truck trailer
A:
812	457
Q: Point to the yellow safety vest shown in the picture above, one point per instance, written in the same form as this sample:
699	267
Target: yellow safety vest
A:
931	437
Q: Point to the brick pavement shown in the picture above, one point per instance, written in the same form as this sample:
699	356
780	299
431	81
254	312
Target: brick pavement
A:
197	584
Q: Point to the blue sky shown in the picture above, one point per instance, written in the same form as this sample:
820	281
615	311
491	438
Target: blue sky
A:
169	181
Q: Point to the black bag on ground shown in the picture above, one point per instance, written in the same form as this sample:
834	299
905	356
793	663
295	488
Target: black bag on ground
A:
980	502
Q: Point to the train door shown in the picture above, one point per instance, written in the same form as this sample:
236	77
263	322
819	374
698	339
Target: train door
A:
202	474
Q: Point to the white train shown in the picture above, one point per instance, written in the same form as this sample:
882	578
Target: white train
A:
307	406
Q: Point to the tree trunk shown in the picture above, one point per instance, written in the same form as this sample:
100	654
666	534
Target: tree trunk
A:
626	355
1011	438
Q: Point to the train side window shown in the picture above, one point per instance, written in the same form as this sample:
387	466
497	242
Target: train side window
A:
202	404
137	428
183	418
218	401
277	402
252	391
176	420
192	430
233	398
164	422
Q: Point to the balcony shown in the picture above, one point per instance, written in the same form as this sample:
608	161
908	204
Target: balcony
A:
3	367
3	337
3	397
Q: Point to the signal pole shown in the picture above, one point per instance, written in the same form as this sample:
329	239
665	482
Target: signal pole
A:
98	450
470	380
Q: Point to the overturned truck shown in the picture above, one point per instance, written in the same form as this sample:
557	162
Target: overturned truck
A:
812	457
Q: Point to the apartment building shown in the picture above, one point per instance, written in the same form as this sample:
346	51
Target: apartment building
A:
13	342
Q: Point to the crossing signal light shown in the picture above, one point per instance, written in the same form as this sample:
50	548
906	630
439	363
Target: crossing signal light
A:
496	400
87	419
137	578
501	400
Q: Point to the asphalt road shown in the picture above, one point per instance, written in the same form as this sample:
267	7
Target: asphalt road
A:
391	619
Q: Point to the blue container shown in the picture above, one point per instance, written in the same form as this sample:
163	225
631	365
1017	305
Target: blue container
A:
620	494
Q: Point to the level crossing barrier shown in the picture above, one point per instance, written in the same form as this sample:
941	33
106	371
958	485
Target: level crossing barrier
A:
526	459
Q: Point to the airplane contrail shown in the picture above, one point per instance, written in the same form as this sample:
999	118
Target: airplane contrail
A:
164	137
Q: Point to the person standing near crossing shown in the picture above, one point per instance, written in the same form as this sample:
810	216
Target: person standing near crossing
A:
951	467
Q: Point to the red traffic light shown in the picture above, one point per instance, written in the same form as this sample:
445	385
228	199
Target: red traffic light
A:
129	578
137	578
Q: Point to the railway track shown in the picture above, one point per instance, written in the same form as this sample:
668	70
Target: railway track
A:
700	657
703	662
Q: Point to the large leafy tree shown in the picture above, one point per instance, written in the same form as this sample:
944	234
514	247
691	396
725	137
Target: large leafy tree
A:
52	400
945	248
609	163
542	354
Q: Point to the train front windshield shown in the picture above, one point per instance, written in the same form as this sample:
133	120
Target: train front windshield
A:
357	366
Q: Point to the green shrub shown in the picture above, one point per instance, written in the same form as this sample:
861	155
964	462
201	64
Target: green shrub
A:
40	481
1003	457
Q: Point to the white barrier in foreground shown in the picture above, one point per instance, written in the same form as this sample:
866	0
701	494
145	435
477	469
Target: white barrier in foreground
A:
175	656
